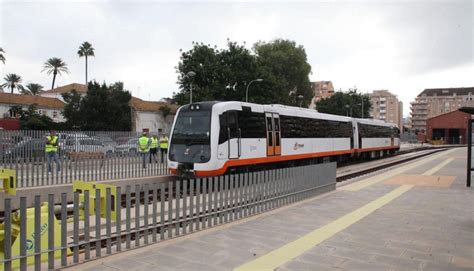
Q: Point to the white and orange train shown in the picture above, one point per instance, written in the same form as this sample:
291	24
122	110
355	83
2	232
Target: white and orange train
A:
212	138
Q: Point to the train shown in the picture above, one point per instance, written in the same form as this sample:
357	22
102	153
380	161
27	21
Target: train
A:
214	138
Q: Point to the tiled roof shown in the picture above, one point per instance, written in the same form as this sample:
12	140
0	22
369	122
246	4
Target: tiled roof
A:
8	98
80	88
148	106
447	91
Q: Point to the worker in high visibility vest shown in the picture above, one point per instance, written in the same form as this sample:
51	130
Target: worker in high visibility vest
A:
51	148
163	147
144	147
154	148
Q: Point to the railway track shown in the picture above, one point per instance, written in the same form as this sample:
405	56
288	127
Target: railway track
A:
375	168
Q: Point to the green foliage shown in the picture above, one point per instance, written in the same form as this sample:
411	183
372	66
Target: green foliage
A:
30	119
347	103
224	74
12	81
104	108
32	89
285	70
55	66
165	110
85	50
2	55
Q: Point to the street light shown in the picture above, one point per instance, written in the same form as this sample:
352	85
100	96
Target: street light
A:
191	75
300	97
347	110
247	90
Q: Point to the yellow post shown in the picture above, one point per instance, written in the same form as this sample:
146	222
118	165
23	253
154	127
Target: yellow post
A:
8	178
81	186
30	236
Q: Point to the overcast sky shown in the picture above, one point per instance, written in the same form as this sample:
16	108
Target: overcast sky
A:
402	46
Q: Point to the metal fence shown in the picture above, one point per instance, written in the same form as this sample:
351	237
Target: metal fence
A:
84	155
105	221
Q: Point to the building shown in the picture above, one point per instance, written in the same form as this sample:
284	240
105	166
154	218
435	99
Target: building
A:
50	107
152	115
450	128
386	107
321	90
57	92
437	101
145	114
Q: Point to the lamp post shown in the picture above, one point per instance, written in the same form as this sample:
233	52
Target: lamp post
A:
300	97
347	110
191	75
247	90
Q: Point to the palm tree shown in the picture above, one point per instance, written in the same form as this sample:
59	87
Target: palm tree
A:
12	81
32	89
2	57
85	51
55	66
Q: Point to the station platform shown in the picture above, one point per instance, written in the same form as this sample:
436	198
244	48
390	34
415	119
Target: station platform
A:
415	216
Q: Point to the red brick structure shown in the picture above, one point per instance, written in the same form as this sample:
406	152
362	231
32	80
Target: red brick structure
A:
450	127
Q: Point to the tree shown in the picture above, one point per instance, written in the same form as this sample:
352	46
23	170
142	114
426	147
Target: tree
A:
224	74
285	69
347	103
30	119
12	81
85	51
103	108
32	89
2	55
72	109
55	66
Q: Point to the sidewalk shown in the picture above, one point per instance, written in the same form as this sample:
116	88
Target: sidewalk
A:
418	216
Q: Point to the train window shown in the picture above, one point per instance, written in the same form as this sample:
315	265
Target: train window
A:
374	131
277	124
251	124
223	128
294	127
269	124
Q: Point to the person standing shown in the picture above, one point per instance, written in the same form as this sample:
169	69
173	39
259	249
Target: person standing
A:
163	147
144	147
154	148
51	149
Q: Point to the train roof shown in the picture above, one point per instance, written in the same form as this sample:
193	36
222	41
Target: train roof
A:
286	110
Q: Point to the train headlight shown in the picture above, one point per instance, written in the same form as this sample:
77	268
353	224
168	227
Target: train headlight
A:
192	107
197	107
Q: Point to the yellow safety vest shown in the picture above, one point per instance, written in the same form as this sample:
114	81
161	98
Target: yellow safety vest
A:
164	142
143	144
154	143
52	145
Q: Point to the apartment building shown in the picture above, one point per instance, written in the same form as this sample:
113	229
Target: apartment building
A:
386	107
433	102
321	90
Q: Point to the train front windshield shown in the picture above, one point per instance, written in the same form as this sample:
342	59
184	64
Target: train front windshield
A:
190	142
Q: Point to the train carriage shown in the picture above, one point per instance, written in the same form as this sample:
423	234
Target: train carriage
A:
211	138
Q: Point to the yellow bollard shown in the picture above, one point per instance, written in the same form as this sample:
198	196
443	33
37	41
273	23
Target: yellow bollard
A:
8	178
81	186
30	236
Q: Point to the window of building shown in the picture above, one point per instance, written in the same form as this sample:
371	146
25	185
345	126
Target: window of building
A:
55	114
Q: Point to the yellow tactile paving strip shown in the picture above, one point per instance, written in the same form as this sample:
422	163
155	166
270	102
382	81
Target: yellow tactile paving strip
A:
394	172
286	253
421	180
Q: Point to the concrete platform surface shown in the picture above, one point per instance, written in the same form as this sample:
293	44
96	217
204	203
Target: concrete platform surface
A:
389	220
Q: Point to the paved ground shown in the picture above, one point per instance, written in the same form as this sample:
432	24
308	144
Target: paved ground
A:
415	217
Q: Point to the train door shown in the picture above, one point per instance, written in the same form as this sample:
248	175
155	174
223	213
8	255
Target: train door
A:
273	134
233	135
